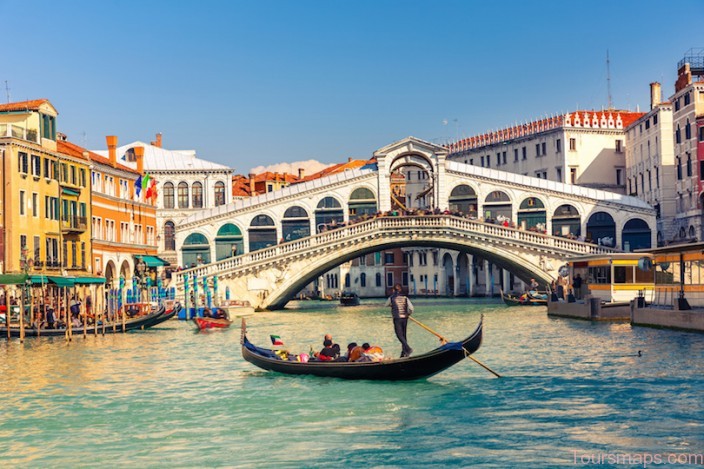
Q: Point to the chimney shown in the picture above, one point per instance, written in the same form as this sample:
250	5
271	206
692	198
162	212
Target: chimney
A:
252	191
276	177
301	173
157	142
112	149
655	95
139	156
349	159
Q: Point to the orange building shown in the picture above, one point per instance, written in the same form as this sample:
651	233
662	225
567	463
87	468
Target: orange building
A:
123	222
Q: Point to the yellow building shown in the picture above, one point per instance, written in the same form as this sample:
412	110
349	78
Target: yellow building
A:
46	196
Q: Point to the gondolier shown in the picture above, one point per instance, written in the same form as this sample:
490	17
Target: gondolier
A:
401	308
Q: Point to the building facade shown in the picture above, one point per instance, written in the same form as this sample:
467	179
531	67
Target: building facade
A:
46	199
586	148
650	163
123	224
688	107
184	185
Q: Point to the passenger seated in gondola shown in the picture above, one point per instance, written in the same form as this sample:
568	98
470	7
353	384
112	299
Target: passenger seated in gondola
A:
346	358
355	353
327	353
207	313
371	353
220	314
76	321
335	347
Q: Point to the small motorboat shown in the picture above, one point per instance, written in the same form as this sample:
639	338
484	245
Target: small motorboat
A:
211	323
349	298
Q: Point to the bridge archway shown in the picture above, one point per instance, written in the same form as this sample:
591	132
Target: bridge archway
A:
229	242
313	269
195	250
636	235
602	229
262	233
566	221
531	214
497	206
328	212
463	199
295	223
362	202
412	180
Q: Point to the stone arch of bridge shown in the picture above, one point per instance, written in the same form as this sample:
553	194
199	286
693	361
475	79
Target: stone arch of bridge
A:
521	266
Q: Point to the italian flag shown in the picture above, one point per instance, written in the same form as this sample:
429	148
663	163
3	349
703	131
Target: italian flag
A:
276	340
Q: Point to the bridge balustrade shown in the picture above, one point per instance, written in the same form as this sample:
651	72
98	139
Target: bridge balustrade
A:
377	226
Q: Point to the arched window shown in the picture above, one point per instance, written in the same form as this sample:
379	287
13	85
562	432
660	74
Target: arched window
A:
348	280
378	279
295	224
463	200
197	193
170	234
182	194
636	235
362	202
363	279
195	250
566	221
168	195
262	233
228	242
532	215
219	193
328	213
601	229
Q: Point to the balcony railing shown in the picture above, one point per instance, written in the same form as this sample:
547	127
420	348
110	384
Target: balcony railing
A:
9	130
75	224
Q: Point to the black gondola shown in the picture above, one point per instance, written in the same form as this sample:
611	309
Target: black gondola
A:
415	367
528	300
349	298
141	322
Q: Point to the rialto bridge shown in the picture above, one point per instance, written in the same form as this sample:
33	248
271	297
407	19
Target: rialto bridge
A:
267	248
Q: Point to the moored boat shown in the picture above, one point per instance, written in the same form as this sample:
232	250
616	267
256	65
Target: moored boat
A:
349	299
211	323
409	368
527	299
139	322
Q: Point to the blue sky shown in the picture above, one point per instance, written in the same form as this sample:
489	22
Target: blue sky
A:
262	82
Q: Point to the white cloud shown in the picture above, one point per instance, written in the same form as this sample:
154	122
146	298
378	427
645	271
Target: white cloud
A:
309	166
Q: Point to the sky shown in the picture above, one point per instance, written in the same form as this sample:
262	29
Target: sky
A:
256	83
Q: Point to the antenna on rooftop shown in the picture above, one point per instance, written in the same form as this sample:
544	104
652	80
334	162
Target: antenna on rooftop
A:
7	91
608	78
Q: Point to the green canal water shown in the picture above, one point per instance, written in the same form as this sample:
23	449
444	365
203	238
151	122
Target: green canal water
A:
572	392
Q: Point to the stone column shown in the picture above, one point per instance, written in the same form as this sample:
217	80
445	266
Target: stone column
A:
470	268
507	280
487	278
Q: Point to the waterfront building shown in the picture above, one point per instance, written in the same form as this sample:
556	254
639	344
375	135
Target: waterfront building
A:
185	185
688	107
46	199
123	219
650	163
586	148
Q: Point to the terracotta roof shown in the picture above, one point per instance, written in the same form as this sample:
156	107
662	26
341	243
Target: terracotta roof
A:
240	186
338	168
72	149
269	176
32	105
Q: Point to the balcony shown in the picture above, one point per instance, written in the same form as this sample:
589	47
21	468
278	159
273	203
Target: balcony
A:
74	225
15	131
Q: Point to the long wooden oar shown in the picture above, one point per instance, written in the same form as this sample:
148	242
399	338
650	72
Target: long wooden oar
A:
444	341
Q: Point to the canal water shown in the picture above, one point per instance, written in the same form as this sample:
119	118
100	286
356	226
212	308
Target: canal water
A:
572	392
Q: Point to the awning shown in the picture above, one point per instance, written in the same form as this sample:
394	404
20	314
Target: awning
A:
62	281
13	279
67	191
153	261
39	279
89	280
